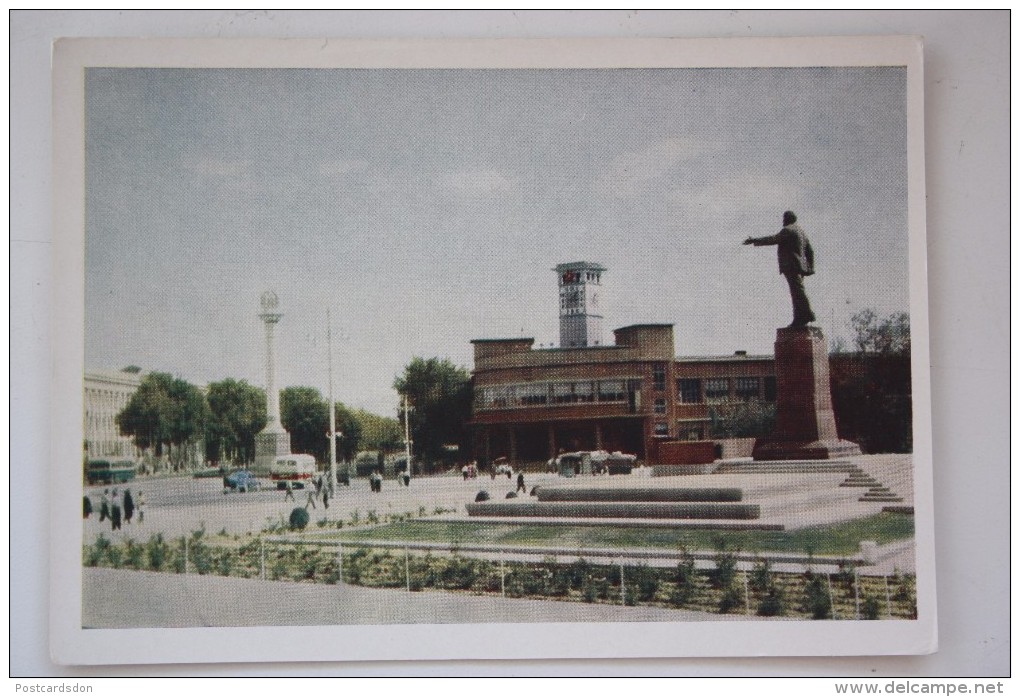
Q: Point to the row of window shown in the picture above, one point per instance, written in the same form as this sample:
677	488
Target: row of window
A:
555	393
716	390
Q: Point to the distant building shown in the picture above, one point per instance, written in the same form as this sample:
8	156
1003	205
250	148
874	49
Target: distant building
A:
107	392
531	403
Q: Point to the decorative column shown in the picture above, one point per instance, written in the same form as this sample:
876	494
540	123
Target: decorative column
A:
273	440
805	423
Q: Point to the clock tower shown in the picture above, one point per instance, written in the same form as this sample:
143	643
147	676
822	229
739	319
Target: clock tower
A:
580	285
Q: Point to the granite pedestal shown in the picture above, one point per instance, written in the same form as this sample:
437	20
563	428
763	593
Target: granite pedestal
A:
805	423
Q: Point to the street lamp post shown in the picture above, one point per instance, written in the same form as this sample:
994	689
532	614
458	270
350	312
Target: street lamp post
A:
407	438
331	469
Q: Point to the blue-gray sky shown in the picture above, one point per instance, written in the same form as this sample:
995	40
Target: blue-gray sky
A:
427	208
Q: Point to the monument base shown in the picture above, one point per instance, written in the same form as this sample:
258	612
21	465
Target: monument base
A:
805	422
811	450
270	444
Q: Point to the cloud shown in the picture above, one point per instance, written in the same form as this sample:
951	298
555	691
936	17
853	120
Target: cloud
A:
341	168
476	182
221	168
630	172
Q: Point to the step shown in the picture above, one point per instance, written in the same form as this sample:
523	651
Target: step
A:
606	509
636	494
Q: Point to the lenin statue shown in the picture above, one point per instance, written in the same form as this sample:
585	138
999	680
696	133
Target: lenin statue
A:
796	260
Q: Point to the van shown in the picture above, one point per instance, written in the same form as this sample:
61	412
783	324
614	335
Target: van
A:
299	470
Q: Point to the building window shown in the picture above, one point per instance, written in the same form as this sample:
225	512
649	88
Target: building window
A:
612	391
659	377
747	389
692	433
770	388
584	391
690	390
717	390
660	406
562	393
661	430
533	395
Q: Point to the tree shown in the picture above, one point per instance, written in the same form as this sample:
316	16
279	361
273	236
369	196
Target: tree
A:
305	415
888	336
871	387
237	413
378	432
439	393
349	432
166	414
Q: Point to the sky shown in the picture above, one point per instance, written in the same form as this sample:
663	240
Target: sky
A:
427	208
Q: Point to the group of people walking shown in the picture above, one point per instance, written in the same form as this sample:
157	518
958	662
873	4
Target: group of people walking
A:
322	489
112	508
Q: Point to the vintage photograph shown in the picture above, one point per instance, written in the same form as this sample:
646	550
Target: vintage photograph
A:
616	341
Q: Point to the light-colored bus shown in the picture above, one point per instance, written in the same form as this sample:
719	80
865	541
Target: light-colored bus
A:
299	470
104	471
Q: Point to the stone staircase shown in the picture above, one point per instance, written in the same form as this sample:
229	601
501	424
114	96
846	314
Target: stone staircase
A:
855	476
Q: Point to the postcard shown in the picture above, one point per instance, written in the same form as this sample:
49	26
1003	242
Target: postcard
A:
490	349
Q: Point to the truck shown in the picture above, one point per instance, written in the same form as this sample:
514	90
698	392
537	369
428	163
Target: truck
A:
299	470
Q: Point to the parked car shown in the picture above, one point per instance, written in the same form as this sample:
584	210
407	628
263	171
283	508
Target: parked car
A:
242	481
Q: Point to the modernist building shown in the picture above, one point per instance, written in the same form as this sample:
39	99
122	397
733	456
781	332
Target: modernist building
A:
586	395
107	392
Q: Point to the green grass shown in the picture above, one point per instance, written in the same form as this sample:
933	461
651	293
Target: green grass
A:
836	539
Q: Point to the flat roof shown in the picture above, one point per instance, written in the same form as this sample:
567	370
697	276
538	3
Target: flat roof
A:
498	341
724	358
645	326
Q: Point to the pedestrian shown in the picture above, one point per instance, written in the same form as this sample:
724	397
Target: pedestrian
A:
129	506
141	508
290	491
104	506
311	498
318	485
115	511
520	482
325	497
465	470
87	507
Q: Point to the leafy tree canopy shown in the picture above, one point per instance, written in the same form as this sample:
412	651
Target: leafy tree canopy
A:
237	413
439	393
164	412
305	415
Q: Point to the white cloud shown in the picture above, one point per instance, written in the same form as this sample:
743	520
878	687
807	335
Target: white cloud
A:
221	168
628	173
341	167
473	183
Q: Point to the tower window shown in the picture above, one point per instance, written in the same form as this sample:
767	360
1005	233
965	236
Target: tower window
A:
659	377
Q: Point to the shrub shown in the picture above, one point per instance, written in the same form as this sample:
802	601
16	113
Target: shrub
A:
816	599
482	496
646	582
578	572
731	599
134	554
511	494
158	551
760	578
772	605
870	608
299	519
686	581
725	571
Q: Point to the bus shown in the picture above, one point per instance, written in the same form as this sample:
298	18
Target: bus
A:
299	470
102	471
